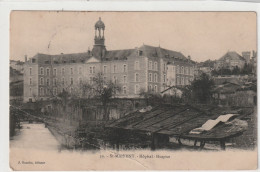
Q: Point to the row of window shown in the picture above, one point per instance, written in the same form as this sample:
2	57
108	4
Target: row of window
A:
183	81
54	91
153	79
92	70
55	80
115	79
153	88
153	66
186	70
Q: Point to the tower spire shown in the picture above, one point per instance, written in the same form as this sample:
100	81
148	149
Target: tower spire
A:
99	48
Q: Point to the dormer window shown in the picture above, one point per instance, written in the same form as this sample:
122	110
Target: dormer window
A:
140	53
33	60
64	61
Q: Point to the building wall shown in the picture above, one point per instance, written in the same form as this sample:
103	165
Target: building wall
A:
229	64
133	74
30	77
184	73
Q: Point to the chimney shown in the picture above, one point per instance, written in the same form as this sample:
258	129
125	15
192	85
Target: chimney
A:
25	58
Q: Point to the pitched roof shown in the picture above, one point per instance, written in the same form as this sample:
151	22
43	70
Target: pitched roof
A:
60	58
232	55
120	54
179	120
149	51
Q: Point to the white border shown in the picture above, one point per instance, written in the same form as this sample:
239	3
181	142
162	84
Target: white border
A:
6	7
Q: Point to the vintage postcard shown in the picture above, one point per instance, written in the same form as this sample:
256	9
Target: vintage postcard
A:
133	90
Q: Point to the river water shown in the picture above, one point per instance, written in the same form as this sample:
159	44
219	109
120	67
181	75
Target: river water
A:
34	136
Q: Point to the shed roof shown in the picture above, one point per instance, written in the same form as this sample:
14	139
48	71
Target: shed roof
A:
179	120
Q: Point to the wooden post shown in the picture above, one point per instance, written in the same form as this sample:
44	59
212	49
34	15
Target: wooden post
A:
222	145
154	141
202	144
195	143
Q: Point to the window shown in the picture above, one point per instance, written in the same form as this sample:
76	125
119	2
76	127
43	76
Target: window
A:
136	77
47	81
80	70
115	79
124	68
54	72
54	91
178	69
182	81
150	77
90	69
93	69
41	91
104	69
164	67
150	88
47	71
140	53
63	71
30	91
30	71
33	60
191	71
155	88
105	78
114	68
136	89
71	71
186	81
63	81
30	81
41	81
42	71
80	81
71	90
137	65
182	70
155	66
150	65
54	81
124	90
155	77
71	81
124	79
178	81
186	70
164	78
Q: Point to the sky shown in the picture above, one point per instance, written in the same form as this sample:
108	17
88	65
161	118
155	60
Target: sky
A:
202	35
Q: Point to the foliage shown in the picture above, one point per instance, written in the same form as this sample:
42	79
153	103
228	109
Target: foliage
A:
151	98
101	90
246	70
200	89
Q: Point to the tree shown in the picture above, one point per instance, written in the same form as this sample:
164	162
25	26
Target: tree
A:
102	90
201	88
151	97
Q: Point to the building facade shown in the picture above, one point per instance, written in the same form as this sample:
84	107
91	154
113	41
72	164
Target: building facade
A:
230	60
145	68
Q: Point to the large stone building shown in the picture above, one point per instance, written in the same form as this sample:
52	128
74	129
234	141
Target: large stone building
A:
230	60
145	67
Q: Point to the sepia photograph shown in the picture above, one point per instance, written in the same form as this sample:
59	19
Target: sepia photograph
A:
96	90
